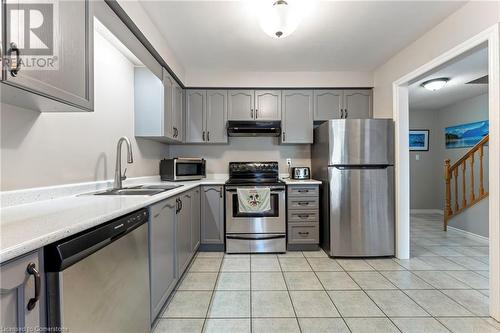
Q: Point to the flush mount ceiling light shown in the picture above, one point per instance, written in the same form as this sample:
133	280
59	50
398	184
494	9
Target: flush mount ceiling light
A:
435	84
280	18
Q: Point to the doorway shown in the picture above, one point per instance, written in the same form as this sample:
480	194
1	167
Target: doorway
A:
489	38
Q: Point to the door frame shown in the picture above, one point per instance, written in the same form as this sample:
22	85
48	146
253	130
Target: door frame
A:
402	165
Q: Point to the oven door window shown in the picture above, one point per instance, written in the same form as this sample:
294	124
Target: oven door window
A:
273	212
189	169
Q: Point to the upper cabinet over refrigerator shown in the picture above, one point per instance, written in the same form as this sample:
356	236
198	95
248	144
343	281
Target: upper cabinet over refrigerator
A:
361	141
49	67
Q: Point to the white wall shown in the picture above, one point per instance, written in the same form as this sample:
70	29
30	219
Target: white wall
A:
40	149
141	19
245	149
466	22
278	79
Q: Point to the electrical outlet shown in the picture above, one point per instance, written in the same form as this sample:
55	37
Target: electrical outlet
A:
417	157
289	162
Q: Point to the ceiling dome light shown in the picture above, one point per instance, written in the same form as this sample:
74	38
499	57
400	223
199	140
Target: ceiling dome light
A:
435	84
280	19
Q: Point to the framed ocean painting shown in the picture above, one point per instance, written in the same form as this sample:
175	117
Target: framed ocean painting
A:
419	140
465	135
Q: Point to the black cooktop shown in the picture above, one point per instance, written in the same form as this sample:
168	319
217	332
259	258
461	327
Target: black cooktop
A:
254	173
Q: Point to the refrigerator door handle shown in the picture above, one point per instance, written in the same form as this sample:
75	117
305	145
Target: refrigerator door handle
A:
359	167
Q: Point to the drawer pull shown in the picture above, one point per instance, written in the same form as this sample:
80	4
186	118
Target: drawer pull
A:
31	269
303	191
303	216
304	233
303	203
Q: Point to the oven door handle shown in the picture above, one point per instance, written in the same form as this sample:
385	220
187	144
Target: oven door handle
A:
272	190
255	238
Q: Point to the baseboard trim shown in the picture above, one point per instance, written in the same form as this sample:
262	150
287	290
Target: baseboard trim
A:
426	211
470	235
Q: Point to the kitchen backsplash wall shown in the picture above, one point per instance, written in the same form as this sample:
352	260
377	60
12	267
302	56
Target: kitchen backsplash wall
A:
42	149
245	149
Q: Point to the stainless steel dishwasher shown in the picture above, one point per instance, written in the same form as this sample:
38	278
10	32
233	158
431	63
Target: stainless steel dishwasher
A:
98	280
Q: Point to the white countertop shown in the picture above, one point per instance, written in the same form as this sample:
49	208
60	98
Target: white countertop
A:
30	226
27	227
289	181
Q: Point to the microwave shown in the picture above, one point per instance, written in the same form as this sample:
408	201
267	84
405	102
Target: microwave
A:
180	168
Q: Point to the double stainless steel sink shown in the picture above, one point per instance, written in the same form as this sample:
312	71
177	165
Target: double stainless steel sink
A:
139	190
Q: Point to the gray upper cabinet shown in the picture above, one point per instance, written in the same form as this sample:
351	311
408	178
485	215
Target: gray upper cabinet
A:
327	104
216	116
206	116
254	104
195	219
267	105
168	106
358	103
17	288
195	116
342	103
212	215
177	110
162	253
62	80
158	106
241	105
297	116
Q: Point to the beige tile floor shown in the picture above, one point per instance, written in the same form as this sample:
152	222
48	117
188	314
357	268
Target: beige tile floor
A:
442	288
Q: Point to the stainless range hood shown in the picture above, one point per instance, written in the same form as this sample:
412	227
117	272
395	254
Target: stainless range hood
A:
253	128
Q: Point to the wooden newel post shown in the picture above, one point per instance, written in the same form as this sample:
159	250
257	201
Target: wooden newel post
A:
447	204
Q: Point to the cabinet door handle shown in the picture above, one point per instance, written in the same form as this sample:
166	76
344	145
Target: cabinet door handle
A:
346	115
303	232
177	206
284	137
203	136
180	202
341	113
31	269
13	48
208	135
256	113
251	113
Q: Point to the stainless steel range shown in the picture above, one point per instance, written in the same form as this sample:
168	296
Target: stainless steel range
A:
255	232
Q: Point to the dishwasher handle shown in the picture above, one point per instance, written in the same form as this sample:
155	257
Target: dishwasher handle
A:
66	252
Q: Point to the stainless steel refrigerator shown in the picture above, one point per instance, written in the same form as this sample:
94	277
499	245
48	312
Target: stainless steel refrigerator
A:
354	159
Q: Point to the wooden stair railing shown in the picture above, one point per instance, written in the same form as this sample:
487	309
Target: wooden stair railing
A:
451	172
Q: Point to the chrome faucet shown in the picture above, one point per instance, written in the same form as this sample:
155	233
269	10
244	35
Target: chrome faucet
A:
118	168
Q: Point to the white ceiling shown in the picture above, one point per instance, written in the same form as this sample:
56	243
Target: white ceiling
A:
333	35
459	71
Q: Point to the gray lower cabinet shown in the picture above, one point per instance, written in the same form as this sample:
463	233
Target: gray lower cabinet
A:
162	253
342	103
19	312
50	69
206	116
183	232
212	217
297	116
195	219
303	217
